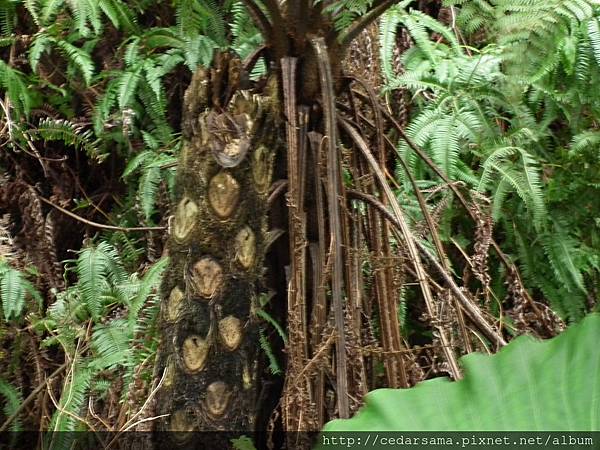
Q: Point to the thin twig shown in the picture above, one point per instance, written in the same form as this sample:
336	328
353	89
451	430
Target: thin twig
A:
95	224
147	419
31	397
67	412
128	425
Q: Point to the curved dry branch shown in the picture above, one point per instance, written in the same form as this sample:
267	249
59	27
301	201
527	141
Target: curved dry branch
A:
470	308
510	266
259	17
379	7
420	199
409	240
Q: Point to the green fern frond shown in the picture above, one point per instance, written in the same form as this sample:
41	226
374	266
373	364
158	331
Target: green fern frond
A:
525	180
49	10
13	81
67	132
344	12
132	52
445	148
8	18
534	36
268	318
97	268
147	287
541	268
531	173
40	44
32	7
140	160
72	400
593	27
127	86
563	251
201	17
148	189
79	58
586	140
14	289
266	348
198	50
13	400
246	37
85	12
111	344
119	13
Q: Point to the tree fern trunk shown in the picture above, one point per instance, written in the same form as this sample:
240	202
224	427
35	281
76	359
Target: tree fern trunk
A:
208	355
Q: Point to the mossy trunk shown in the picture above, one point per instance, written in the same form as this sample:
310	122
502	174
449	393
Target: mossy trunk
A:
218	237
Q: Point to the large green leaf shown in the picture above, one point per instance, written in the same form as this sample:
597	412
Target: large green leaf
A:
529	385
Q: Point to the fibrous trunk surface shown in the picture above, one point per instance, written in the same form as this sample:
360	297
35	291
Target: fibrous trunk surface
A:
208	355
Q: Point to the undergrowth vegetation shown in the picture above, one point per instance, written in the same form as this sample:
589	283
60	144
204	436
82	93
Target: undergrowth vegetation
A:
513	118
502	100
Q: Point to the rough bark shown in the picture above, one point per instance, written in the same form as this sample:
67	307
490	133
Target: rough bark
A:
208	354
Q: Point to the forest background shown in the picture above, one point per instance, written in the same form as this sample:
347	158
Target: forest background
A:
491	115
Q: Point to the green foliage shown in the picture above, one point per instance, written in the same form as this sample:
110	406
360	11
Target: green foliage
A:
13	400
529	385
512	119
501	102
345	12
15	288
127	83
243	443
119	310
261	313
13	82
